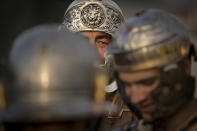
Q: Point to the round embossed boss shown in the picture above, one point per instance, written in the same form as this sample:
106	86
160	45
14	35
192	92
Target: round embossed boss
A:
92	16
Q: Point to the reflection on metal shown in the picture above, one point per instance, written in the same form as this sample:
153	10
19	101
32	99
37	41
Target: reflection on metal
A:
44	77
101	81
178	87
117	100
142	28
152	56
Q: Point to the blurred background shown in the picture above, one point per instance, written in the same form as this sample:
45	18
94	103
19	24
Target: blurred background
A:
19	15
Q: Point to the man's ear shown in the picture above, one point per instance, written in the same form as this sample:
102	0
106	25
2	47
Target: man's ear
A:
187	66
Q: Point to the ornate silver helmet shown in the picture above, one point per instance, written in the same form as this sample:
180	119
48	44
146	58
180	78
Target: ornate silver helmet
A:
53	77
152	38
93	15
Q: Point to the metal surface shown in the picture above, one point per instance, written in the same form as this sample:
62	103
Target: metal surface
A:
156	40
53	77
152	38
93	15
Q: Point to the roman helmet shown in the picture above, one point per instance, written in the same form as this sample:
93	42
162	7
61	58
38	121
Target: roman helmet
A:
52	78
93	15
156	39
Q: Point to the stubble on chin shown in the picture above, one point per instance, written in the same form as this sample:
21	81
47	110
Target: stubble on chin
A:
147	117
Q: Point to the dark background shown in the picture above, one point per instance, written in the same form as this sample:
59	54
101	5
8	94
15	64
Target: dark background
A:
19	15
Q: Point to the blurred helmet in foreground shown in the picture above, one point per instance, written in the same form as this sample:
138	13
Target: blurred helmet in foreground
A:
93	15
153	38
53	78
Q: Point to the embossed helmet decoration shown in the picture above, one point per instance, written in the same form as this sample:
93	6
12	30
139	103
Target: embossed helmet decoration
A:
152	38
93	15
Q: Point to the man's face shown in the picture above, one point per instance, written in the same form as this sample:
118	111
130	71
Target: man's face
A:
100	40
138	88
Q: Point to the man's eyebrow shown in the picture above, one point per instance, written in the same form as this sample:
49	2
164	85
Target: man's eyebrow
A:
139	81
103	37
147	79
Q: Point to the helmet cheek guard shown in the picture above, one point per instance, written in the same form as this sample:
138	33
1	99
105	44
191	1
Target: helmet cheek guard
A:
121	88
175	90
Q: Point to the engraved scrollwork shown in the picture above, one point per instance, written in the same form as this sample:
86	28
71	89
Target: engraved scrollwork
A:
114	18
93	15
72	17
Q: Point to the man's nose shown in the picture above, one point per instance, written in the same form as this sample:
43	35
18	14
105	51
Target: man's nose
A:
136	94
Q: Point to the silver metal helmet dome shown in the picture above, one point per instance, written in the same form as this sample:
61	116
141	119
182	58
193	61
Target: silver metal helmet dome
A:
93	15
53	77
150	39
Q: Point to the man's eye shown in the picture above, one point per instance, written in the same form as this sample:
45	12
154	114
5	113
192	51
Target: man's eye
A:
125	83
101	44
147	82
